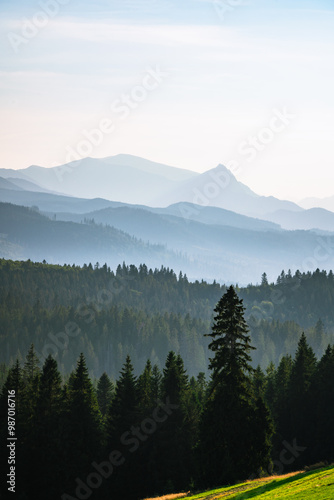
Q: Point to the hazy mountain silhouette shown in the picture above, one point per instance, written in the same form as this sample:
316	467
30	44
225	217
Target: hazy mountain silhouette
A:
7	184
209	251
120	178
134	180
314	218
147	222
27	234
218	187
326	203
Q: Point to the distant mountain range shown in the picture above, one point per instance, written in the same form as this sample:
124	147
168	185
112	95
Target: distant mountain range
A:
137	235
27	234
130	179
122	178
326	203
200	223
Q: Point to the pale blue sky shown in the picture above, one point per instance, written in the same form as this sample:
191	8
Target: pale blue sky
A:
229	67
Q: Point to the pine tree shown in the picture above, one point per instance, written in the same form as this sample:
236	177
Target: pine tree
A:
230	344
259	382
123	413
270	393
146	390
122	419
322	399
318	333
300	408
14	382
174	441
105	392
45	449
156	382
83	427
198	387
31	375
30	393
280	398
231	445
264	279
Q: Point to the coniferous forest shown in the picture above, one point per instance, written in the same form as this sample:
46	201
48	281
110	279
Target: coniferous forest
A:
145	313
200	411
167	250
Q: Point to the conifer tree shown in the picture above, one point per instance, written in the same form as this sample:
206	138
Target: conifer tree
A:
148	454
27	427
105	392
278	395
123	416
322	400
230	344
145	389
14	382
300	408
174	446
231	446
31	375
123	412
259	382
83	428
270	393
318	333
45	451
156	382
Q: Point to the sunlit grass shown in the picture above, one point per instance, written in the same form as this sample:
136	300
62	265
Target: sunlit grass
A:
317	485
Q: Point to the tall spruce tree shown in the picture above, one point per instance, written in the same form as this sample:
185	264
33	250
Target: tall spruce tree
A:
146	390
174	446
46	447
300	407
105	393
30	374
278	397
322	397
156	382
235	427
123	412
122	418
82	426
14	382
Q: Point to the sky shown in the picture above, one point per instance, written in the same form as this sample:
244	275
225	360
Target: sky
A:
190	83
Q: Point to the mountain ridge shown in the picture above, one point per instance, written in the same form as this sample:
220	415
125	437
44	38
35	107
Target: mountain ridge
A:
130	180
209	251
327	203
135	180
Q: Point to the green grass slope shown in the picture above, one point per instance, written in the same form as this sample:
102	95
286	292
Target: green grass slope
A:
317	485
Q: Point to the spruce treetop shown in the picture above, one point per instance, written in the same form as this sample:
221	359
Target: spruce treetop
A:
231	341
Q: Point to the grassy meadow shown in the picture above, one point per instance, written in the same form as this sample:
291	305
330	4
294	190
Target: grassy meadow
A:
316	485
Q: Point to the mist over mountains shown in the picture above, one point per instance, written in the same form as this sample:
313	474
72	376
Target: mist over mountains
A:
127	208
120	178
326	203
129	179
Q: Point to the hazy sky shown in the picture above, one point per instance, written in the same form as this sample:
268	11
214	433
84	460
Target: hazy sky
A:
190	83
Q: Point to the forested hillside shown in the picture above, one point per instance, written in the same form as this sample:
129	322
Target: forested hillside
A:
164	430
27	234
224	246
65	310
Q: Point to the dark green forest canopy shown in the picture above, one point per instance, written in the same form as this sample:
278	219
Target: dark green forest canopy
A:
302	297
172	432
108	314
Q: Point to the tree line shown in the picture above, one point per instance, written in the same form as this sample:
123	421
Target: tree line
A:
163	431
65	310
299	297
